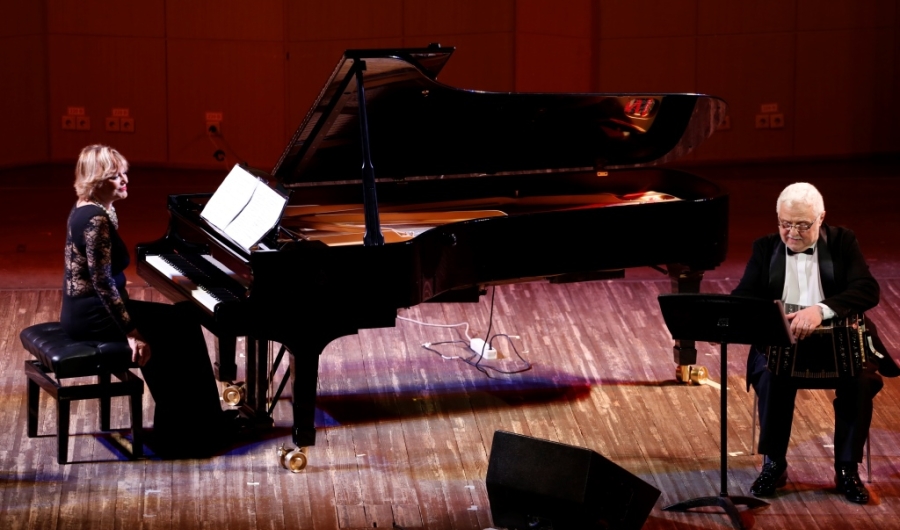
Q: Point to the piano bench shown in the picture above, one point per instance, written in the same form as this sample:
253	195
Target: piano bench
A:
56	353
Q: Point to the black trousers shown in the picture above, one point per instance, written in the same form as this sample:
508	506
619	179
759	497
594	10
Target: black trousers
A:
179	374
852	410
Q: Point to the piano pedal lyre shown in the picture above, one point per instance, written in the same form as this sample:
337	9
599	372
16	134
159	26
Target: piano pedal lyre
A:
692	375
235	394
294	460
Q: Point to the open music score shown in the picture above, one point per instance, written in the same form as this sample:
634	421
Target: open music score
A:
338	225
244	207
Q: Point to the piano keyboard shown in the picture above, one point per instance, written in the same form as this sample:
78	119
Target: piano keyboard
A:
207	282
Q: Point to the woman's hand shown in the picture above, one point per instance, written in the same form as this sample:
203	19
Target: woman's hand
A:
140	350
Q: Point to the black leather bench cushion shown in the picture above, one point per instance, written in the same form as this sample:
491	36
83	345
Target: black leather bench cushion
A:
70	358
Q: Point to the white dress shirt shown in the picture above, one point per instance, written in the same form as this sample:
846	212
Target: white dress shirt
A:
802	283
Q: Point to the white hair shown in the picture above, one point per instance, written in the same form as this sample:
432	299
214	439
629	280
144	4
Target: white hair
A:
801	193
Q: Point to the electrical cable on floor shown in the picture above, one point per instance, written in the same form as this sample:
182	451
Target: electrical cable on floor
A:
465	333
488	342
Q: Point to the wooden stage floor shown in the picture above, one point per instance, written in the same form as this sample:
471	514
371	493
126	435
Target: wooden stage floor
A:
404	434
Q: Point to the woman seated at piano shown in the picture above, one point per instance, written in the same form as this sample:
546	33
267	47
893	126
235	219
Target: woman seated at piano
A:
166	342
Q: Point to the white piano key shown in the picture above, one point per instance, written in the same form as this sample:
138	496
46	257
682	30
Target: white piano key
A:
163	266
205	299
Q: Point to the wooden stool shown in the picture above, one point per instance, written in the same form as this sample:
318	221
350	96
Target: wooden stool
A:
57	354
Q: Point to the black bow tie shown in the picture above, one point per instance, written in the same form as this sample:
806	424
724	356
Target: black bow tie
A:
808	251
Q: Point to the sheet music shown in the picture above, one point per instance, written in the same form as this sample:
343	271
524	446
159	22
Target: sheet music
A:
244	207
258	217
232	196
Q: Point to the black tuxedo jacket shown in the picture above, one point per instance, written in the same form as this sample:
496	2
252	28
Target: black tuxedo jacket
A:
847	284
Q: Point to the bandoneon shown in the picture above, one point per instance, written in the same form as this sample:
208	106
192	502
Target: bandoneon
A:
835	350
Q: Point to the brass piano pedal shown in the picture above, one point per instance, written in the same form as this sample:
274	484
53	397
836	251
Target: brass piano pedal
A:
692	375
234	394
294	460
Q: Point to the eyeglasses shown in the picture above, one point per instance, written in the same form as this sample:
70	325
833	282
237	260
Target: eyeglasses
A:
801	227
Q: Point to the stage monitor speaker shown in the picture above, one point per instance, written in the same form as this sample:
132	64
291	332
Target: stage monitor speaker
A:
534	483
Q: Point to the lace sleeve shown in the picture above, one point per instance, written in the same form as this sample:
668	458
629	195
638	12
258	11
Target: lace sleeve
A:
98	248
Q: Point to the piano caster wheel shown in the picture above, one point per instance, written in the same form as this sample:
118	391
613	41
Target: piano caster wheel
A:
692	375
234	394
294	460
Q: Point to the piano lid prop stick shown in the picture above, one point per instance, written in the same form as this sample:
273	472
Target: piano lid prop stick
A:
373	236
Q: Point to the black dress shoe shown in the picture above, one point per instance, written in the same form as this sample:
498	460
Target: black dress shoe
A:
847	479
773	475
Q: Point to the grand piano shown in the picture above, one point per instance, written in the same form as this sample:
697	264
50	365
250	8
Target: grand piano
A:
403	190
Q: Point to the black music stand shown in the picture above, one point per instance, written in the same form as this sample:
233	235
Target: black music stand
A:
727	320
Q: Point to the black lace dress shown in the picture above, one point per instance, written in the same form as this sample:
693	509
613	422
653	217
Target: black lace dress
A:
188	418
94	293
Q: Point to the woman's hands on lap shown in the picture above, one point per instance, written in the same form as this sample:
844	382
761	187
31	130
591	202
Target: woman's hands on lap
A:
140	350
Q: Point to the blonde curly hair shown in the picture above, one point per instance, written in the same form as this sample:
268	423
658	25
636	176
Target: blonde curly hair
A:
96	163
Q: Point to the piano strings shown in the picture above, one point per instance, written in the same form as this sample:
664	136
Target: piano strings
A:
338	225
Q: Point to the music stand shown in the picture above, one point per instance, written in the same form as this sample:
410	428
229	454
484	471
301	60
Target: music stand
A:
727	320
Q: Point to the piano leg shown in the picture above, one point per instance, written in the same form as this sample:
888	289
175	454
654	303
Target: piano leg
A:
257	358
225	370
684	280
225	366
305	379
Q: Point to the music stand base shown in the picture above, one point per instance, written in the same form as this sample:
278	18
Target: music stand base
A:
726	502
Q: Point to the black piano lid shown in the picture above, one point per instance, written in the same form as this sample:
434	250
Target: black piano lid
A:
420	128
